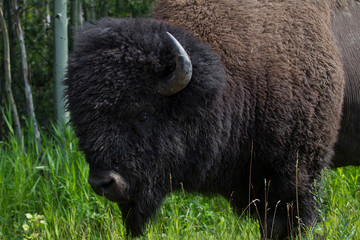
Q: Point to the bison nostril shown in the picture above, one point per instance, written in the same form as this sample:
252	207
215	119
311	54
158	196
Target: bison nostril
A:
107	185
100	185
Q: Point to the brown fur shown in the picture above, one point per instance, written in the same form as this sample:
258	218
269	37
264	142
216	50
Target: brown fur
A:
274	46
252	24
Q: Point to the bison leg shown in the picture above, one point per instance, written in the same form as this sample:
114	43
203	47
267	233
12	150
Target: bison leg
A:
285	203
287	219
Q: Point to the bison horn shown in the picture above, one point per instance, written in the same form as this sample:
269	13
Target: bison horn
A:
181	76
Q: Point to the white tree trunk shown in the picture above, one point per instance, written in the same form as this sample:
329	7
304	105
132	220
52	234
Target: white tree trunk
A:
76	19
61	56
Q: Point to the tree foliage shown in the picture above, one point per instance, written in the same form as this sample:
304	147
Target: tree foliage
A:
37	21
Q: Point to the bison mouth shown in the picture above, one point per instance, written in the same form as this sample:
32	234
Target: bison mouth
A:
136	210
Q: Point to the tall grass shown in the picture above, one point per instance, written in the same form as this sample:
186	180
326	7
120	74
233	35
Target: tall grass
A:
54	201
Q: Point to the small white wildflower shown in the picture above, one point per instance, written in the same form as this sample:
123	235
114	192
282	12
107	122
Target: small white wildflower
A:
25	227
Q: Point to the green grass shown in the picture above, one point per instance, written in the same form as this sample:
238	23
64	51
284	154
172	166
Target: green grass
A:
54	201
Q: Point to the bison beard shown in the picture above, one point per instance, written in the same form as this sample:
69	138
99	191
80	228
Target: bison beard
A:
137	214
263	101
133	218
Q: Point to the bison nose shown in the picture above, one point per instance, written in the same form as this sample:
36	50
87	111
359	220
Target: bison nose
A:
101	185
108	183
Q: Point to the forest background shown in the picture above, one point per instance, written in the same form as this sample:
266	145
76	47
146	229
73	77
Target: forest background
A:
37	20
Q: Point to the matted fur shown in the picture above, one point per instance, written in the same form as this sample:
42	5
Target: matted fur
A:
267	76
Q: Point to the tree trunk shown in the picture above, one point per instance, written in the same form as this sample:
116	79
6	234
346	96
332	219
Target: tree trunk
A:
25	71
92	9
61	56
7	67
76	19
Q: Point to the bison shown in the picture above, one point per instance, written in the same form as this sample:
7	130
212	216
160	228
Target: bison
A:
216	96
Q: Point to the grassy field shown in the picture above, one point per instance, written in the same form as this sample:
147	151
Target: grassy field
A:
54	201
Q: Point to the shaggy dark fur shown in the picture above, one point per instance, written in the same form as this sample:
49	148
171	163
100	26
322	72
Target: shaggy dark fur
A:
345	24
267	76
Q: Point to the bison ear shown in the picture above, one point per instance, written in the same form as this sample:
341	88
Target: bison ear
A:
181	76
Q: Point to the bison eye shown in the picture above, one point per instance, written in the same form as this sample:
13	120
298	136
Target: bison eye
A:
144	118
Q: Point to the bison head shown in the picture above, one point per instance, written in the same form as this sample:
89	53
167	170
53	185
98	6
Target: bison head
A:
143	127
